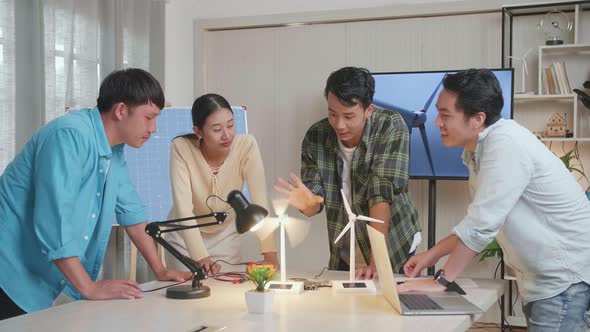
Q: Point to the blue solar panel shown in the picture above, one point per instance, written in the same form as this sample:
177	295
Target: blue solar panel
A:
149	166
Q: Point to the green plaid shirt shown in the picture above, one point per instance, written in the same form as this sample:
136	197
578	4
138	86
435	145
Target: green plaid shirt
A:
379	173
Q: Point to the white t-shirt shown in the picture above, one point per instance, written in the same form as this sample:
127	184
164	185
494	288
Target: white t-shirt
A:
346	167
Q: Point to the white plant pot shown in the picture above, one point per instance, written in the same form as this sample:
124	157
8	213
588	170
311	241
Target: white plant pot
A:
259	302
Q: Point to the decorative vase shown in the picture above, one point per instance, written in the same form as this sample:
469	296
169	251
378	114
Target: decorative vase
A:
259	302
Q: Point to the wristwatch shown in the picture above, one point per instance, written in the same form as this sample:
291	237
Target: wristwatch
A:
439	276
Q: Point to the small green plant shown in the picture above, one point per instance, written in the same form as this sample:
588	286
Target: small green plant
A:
567	161
584	97
260	275
492	250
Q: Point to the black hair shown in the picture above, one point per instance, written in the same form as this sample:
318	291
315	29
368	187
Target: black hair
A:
478	90
351	85
132	86
206	105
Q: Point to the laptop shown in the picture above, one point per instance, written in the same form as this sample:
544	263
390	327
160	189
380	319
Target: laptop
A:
414	303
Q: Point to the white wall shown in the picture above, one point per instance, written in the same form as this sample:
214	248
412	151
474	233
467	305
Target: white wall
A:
181	44
180	41
180	83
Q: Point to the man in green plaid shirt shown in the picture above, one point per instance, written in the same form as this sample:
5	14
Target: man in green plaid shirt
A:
365	152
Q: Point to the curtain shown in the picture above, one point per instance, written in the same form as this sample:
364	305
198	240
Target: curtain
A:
72	43
7	83
85	40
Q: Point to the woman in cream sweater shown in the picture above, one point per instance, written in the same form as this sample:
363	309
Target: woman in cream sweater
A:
214	161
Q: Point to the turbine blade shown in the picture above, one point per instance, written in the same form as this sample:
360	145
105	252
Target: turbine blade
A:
280	204
268	228
346	206
297	230
408	115
527	53
365	218
346	228
427	148
431	98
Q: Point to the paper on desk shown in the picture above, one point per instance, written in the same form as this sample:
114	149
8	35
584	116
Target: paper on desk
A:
466	283
208	329
462	282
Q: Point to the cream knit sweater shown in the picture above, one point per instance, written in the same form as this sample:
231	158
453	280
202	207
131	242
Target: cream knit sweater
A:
193	181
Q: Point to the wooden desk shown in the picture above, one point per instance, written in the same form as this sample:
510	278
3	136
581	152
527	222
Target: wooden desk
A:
319	310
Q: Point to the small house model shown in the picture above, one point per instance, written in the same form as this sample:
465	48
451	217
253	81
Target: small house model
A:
556	126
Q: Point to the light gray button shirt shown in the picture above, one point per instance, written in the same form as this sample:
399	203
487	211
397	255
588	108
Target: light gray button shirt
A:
524	196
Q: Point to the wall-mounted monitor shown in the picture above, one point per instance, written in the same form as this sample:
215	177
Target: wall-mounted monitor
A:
414	96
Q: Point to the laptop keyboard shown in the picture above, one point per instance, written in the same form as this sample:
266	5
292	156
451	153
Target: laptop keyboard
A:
419	302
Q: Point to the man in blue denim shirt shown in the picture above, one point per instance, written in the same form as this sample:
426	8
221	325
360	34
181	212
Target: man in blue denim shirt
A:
62	192
523	196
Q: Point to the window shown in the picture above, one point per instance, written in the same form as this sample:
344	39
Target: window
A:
72	56
7	83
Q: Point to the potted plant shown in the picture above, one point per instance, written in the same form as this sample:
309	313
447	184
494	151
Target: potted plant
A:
584	97
259	300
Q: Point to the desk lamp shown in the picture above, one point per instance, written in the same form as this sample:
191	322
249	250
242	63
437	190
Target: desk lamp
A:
249	217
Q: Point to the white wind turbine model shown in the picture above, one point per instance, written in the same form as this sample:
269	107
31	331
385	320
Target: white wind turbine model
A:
296	230
352	285
525	70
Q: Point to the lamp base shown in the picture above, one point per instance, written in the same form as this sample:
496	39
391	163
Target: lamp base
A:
554	42
354	286
288	287
185	292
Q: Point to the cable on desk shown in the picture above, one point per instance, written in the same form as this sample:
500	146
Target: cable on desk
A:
515	300
233	277
321	272
476	325
174	284
228	263
499	305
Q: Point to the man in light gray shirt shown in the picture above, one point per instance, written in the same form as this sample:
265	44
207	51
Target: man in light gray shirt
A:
524	197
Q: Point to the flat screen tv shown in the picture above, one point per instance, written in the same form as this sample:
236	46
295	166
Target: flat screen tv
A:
414	96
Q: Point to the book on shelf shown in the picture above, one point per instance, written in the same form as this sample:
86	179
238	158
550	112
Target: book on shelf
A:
557	79
566	80
550	81
545	88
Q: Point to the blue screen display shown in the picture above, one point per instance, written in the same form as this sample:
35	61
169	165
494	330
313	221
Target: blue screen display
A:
409	93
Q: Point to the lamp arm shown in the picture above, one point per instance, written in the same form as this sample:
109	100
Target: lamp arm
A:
219	216
153	230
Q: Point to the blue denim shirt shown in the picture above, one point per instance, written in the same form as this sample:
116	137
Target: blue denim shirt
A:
59	198
525	197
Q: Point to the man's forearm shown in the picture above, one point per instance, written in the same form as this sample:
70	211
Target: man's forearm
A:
145	245
74	271
380	211
458	260
311	210
445	246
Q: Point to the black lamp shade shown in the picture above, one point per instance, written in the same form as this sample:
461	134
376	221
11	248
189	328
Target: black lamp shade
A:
247	215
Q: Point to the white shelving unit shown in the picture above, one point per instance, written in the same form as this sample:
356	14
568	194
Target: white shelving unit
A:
534	110
519	34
